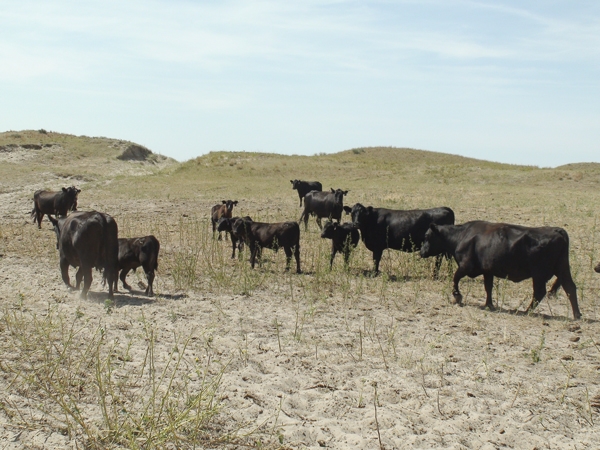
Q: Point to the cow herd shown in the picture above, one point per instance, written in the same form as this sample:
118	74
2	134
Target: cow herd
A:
88	240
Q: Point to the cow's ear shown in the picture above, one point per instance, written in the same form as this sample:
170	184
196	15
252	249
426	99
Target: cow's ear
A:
347	209
78	191
345	192
332	190
224	202
292	181
64	189
235	203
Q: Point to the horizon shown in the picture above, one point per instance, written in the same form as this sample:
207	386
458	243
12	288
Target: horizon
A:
510	82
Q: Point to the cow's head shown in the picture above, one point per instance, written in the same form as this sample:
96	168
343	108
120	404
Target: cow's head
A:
339	195
359	213
433	244
239	227
229	204
295	183
329	229
56	225
70	194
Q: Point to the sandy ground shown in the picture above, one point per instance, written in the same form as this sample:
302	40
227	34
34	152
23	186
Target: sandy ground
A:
304	372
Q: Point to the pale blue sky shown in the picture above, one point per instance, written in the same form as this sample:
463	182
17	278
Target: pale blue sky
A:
510	81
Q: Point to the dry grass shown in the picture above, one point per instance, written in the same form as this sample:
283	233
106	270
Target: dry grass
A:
292	360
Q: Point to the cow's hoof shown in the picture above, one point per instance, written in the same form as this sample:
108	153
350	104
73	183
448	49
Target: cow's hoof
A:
458	298
489	307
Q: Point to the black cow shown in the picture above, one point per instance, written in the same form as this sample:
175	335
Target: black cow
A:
226	224
403	230
87	240
136	252
323	204
223	210
344	238
258	235
506	251
304	187
56	203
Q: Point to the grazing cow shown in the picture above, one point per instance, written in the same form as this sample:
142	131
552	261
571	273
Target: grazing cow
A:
226	224
344	238
57	203
258	235
87	240
223	210
304	187
505	251
323	204
403	230
136	252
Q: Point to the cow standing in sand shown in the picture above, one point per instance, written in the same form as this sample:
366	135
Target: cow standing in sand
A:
87	240
323	205
259	235
55	203
136	252
506	251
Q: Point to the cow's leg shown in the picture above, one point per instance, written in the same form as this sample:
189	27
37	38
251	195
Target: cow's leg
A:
300	195
233	245
539	292
436	268
458	275
253	253
150	279
288	257
39	216
87	281
115	281
333	253
377	254
319	223
123	276
78	277
304	217
297	256
571	290
488	282
64	271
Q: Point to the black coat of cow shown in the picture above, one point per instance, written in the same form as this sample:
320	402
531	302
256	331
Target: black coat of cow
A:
225	209
404	230
344	238
56	203
136	252
304	187
226	224
258	235
506	251
323	204
87	240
